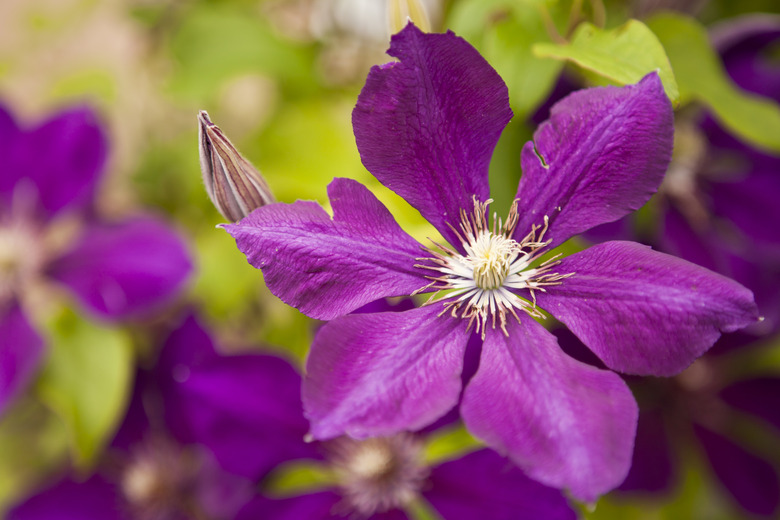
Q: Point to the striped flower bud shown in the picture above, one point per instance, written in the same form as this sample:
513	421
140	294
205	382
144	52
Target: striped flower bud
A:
235	186
401	12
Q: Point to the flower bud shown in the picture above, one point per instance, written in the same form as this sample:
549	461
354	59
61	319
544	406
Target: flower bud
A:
235	186
400	12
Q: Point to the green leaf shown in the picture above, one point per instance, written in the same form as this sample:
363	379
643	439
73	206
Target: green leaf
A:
623	55
301	168
448	444
32	441
505	32
86	381
298	477
702	78
215	43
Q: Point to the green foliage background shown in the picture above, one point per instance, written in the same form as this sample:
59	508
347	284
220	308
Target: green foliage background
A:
149	66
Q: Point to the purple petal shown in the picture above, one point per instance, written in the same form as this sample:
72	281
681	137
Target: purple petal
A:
21	350
745	47
426	126
751	205
387	305
701	247
314	506
95	499
756	271
64	158
600	156
573	347
652	466
484	485
324	505
566	424
329	267
245	408
622	229
135	426
9	136
378	374
758	396
644	312
751	480
470	365
124	269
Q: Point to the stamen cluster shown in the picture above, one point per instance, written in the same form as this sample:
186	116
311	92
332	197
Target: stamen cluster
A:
21	256
378	474
480	285
159	479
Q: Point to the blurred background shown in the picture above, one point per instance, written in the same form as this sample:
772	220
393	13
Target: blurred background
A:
280	77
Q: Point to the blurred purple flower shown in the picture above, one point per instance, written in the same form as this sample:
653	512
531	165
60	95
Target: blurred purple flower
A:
203	426
725	220
426	127
709	406
150	471
48	232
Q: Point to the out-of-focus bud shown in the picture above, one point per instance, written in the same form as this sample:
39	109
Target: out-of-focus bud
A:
400	12
235	186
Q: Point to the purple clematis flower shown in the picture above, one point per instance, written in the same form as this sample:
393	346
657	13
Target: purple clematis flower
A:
426	127
48	233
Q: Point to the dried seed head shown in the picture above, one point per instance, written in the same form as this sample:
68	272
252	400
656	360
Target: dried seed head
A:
159	480
235	186
378	474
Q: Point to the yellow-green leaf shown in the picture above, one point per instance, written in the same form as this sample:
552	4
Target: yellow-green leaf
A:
504	32
702	77
623	55
86	381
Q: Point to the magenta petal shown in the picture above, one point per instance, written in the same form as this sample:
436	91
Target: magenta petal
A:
565	423
312	506
329	267
245	408
64	159
758	396
485	485
601	155
644	312
378	374
9	143
94	499
323	505
653	465
426	126
120	270
21	349
752	481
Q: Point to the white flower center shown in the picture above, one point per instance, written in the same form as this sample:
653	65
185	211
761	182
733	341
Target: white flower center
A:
491	258
479	285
